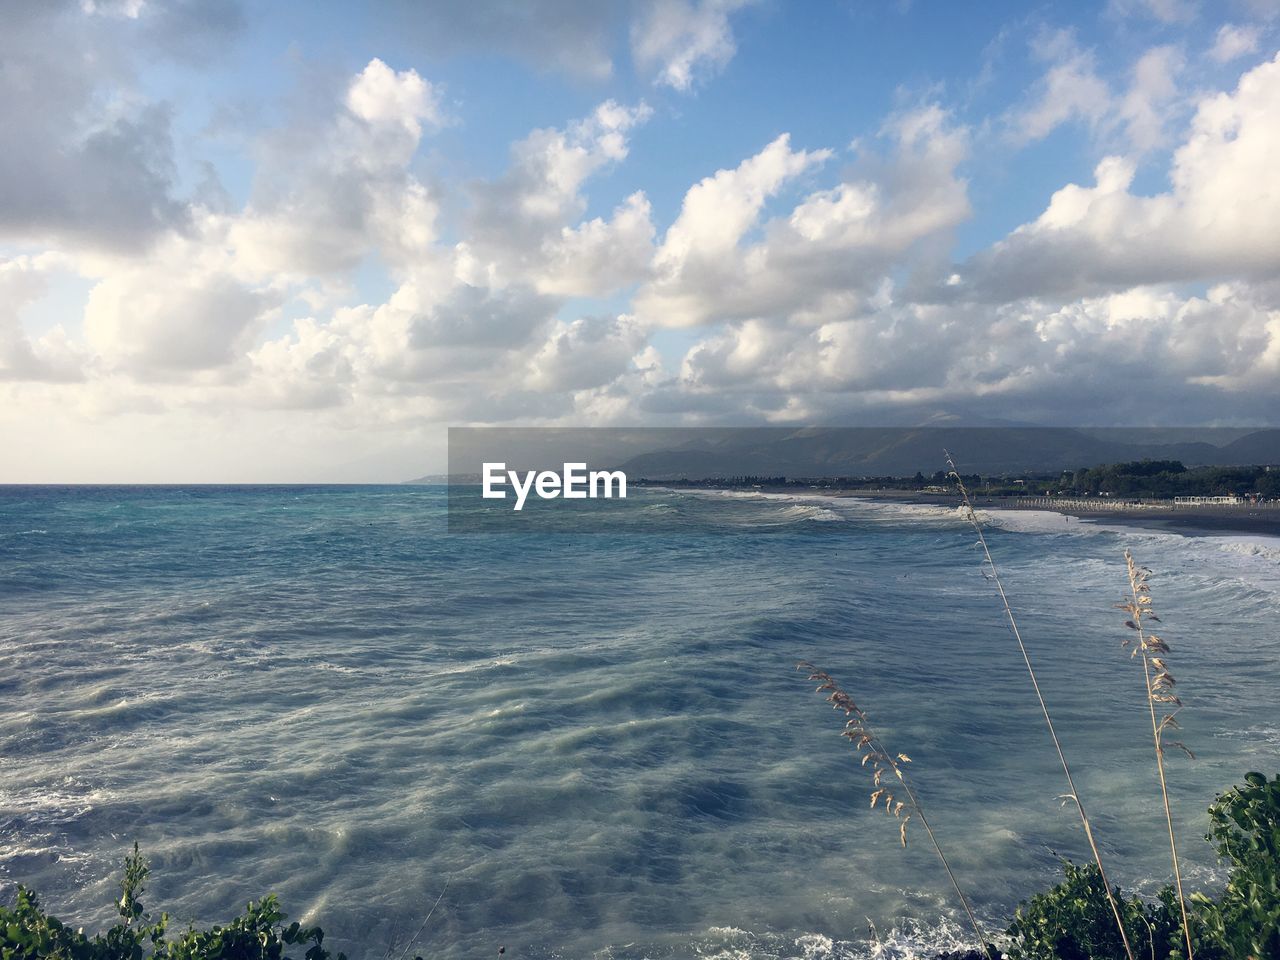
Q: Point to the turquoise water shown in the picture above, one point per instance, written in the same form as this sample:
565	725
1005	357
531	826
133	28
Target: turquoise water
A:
590	746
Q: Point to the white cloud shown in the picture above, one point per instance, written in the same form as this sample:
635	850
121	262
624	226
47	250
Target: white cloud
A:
828	253
1145	109
1217	221
325	198
526	224
1070	89
87	159
1163	11
681	39
600	256
383	97
1234	41
586	353
52	357
179	312
805	290
1129	356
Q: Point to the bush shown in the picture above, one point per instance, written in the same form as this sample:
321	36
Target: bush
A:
1244	922
28	933
1073	920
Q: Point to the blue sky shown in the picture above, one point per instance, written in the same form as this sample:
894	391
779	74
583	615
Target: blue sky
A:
298	241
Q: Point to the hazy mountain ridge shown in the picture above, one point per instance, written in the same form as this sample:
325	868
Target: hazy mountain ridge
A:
853	452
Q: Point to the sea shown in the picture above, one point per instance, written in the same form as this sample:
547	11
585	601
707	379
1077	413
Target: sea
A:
597	745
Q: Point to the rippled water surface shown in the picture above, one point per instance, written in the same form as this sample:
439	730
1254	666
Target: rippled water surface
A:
590	746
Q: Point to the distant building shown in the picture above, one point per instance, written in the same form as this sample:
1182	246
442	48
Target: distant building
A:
1204	501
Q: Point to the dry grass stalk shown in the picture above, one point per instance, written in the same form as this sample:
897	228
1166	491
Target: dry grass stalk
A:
972	516
1160	684
883	766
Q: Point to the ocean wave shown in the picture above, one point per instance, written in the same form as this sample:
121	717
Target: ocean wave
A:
799	507
34	816
909	941
807	511
1263	548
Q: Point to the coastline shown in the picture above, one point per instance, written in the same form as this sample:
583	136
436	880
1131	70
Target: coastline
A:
1187	521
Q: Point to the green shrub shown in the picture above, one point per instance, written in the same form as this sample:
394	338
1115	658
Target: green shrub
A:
1244	822
28	933
1073	921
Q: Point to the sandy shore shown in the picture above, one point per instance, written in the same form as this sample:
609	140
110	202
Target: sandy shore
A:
1189	521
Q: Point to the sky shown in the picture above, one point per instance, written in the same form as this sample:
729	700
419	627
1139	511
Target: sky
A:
296	241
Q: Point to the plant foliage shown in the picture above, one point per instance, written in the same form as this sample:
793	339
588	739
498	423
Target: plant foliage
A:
27	932
1073	921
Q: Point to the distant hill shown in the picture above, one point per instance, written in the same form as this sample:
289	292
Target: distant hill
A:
899	451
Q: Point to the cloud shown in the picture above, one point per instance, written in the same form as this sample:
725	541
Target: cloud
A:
310	369
173	315
1217	221
807	283
586	353
1146	107
1163	11
85	159
1233	41
562	35
600	256
829	253
525	226
699	256
680	40
324	198
52	358
677	42
1070	90
1141	355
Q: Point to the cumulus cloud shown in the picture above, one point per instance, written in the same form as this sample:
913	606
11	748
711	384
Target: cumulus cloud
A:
1217	221
678	40
1136	355
179	312
456	338
828	253
324	198
808	283
526	226
586	353
599	256
85	159
312	368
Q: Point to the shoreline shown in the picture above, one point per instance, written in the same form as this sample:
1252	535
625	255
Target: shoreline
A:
1187	521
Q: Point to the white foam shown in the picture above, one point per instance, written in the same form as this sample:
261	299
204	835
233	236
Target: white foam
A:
1261	547
910	941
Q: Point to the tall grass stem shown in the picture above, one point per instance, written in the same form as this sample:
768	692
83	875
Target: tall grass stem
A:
1159	687
972	516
